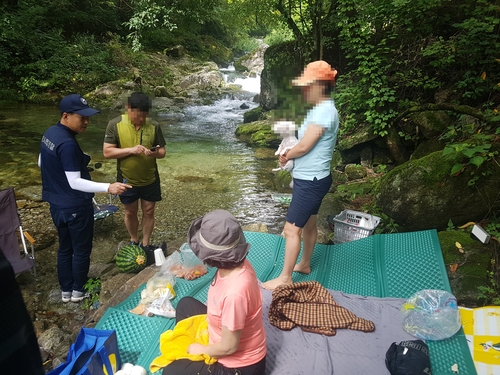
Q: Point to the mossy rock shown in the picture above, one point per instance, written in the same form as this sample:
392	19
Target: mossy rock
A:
473	264
258	133
422	194
264	138
362	134
427	147
252	115
432	123
339	178
355	171
218	52
239	67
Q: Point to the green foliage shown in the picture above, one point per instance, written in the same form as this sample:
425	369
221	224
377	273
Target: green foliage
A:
278	36
389	55
93	288
147	14
460	131
399	53
245	45
470	154
350	193
387	225
490	294
493	228
451	226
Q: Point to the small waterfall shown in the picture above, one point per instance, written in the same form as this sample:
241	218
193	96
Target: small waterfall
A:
248	84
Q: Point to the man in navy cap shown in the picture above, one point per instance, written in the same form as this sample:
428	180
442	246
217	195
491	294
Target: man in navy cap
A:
66	185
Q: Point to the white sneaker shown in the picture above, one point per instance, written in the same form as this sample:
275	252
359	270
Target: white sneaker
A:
66	296
77	296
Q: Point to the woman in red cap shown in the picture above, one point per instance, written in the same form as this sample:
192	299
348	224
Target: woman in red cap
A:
311	172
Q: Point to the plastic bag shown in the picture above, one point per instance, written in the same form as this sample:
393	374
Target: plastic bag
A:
158	286
162	305
184	264
171	263
156	296
188	258
431	314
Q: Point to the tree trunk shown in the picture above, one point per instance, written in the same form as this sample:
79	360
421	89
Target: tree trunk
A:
289	21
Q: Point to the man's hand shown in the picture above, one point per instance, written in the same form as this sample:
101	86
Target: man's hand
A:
196	349
139	149
152	151
117	188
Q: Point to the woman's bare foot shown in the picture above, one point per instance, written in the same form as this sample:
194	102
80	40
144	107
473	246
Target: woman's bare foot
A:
274	283
301	268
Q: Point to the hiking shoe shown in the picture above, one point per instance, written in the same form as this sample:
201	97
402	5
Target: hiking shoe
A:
66	296
149	247
150	253
77	296
134	243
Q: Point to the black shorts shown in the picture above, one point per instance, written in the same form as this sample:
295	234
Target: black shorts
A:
150	193
306	199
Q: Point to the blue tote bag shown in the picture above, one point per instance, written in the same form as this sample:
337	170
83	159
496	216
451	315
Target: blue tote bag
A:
95	352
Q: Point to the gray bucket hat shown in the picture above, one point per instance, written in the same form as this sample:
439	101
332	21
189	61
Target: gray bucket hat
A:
218	236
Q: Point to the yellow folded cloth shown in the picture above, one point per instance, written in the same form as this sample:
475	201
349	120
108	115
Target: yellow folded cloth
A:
482	330
174	343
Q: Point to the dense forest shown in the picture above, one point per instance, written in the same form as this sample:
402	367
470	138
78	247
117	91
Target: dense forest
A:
392	56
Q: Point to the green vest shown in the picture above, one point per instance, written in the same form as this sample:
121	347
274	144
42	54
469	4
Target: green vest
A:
139	170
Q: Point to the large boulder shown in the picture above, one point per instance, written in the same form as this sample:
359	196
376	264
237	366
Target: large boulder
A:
422	194
206	77
282	62
182	79
431	123
253	61
258	133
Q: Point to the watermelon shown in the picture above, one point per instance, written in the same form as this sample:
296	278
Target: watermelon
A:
131	259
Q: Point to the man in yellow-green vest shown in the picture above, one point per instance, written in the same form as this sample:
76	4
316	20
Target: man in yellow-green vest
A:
136	142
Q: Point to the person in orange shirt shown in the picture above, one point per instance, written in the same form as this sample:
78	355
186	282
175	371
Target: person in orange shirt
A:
234	310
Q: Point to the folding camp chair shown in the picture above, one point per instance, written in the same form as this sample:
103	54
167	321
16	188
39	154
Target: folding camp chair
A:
10	222
102	211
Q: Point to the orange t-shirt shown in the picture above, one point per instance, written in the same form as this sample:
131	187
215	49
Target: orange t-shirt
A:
235	301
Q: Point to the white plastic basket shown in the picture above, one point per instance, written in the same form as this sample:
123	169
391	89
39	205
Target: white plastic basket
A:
353	225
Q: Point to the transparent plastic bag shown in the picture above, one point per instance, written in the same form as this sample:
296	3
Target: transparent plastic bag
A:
431	314
184	264
171	264
162	305
188	258
158	286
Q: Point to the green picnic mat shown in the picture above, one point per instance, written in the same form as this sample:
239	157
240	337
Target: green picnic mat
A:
387	265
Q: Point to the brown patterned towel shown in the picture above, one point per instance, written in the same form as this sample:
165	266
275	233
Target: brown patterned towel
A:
311	307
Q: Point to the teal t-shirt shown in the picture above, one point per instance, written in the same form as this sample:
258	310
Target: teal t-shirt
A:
316	163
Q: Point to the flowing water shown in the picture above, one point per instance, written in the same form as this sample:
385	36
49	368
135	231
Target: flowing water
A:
206	166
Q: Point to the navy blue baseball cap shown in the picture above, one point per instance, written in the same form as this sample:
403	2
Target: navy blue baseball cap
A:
75	103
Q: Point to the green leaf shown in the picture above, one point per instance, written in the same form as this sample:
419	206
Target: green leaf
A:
456	168
447	151
477	160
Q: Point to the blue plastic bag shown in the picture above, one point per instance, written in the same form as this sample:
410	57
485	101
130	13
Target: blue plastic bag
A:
95	352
